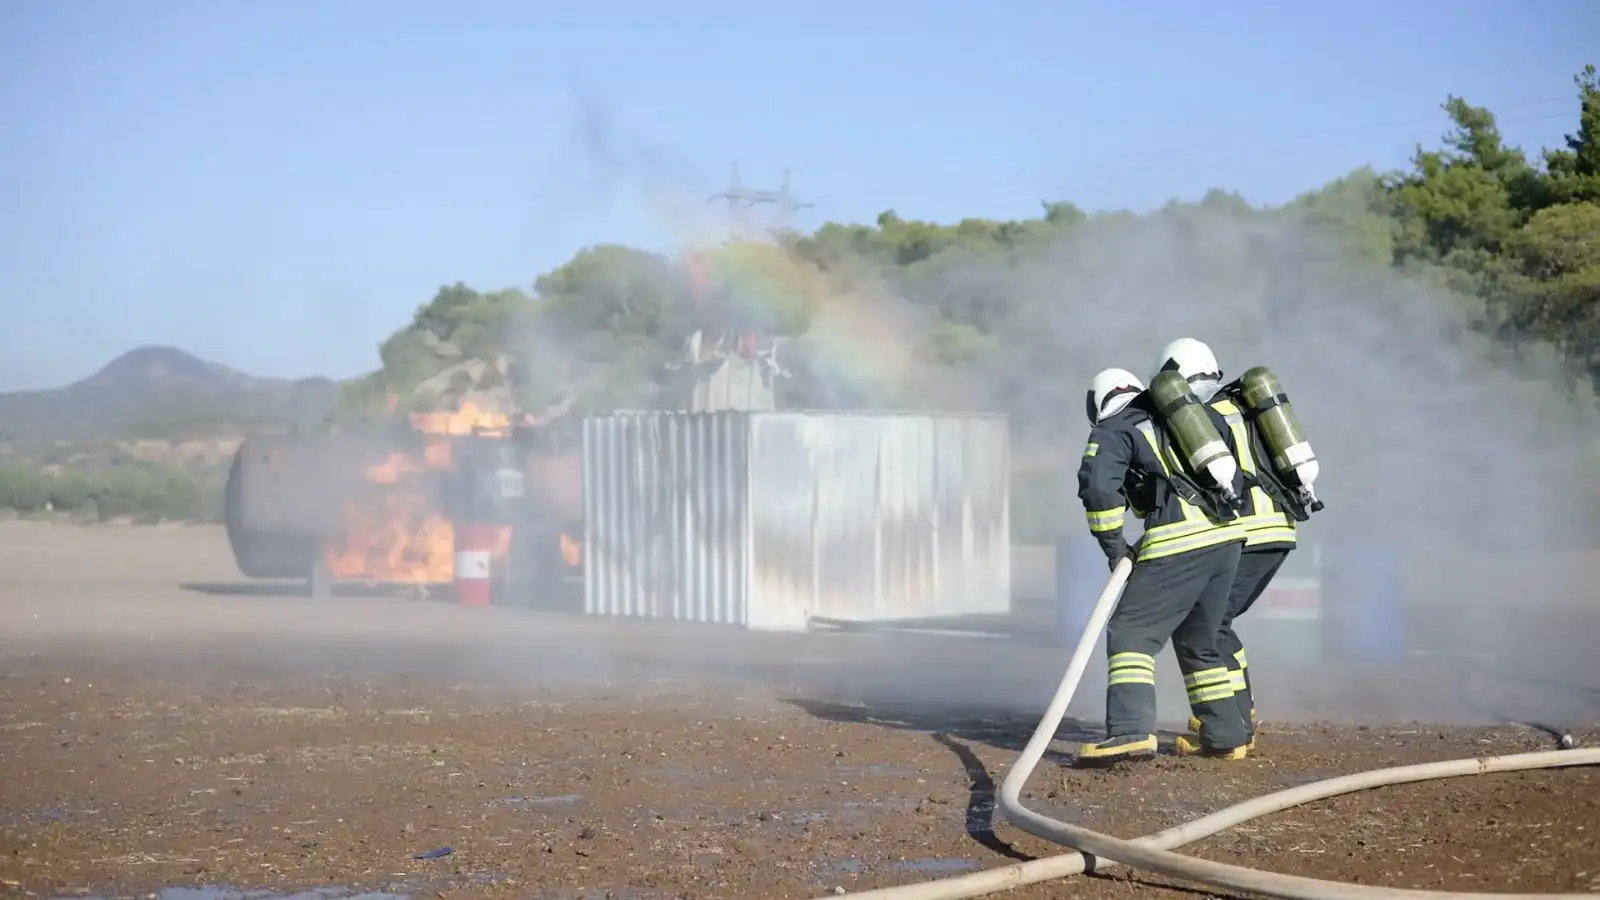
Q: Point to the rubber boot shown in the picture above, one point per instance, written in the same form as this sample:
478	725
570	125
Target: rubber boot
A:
1118	748
1247	707
1191	746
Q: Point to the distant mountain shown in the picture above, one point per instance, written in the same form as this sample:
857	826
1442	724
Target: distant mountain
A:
161	392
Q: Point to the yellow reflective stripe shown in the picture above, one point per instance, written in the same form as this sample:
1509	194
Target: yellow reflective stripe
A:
1241	434
1207	685
1260	536
1195	532
1214	675
1271	518
1236	679
1265	516
1130	668
1158	533
1211	537
1211	694
1239	658
1091	450
1149	432
1102	520
1261	502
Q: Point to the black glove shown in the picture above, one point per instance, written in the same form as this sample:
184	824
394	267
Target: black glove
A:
1121	551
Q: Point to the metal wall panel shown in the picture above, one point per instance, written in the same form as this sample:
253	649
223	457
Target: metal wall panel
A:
664	515
769	519
878	517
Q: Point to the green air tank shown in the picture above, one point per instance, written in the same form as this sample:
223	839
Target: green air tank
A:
1186	419
1265	402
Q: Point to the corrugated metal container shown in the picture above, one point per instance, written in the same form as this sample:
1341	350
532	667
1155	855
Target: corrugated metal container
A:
770	519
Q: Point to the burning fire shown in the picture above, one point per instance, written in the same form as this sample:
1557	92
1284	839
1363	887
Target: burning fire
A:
465	421
394	531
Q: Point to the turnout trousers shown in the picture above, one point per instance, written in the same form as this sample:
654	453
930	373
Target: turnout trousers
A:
1256	570
1183	597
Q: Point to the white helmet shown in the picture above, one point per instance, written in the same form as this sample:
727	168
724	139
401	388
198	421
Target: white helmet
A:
1195	362
1110	392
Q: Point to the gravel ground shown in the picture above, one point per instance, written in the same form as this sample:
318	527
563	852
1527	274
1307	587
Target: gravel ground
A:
155	737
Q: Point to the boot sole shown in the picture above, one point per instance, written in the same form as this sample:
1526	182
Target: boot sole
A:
1106	762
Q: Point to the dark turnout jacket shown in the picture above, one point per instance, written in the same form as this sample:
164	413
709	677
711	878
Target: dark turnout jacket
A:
1130	461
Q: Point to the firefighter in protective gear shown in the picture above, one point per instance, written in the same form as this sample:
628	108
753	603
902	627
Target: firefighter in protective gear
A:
1269	529
1182	572
1110	392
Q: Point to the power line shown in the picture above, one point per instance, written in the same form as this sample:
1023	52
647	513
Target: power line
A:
741	198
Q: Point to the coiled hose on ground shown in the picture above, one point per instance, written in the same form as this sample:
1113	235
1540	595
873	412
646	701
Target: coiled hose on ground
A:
1154	852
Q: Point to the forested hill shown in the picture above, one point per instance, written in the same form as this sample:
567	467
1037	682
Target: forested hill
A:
1477	242
163	392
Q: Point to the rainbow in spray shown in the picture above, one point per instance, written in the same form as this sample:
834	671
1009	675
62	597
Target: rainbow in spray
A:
857	337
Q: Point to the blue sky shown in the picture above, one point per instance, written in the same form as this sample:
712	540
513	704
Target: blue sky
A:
277	185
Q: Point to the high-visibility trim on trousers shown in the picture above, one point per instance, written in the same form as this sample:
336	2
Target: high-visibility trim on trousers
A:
1209	685
1130	668
1236	673
1103	520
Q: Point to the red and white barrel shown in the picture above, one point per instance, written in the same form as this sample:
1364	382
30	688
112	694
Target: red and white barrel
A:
474	548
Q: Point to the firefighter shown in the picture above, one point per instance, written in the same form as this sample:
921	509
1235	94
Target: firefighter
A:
1182	571
1269	529
1110	393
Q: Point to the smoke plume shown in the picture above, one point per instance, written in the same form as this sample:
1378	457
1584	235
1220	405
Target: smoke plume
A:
1466	463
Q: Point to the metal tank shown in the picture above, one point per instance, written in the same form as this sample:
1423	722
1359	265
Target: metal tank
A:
287	498
286	495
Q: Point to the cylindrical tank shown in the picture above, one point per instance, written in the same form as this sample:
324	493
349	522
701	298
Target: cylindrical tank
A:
1280	429
475	545
1191	428
286	496
257	554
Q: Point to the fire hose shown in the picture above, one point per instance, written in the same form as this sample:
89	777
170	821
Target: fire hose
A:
1154	852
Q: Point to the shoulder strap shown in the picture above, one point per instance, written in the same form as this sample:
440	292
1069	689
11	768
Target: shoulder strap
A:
1174	476
1266	478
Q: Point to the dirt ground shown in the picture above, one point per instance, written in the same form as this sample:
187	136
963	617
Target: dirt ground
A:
163	728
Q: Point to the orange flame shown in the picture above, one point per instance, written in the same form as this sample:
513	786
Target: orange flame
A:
393	535
394	532
571	551
464	421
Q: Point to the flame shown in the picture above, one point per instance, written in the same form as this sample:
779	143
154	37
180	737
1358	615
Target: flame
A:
396	467
469	419
394	531
571	551
393	535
